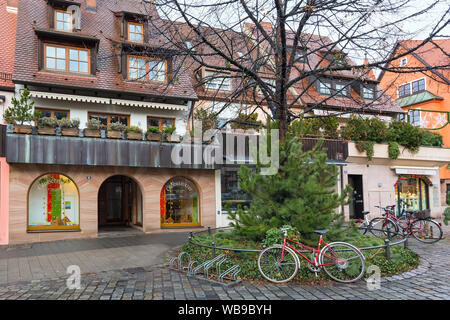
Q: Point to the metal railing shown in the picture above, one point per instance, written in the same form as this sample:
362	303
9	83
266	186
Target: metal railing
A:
403	240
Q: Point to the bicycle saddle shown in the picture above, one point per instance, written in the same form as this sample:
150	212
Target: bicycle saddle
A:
365	212
321	231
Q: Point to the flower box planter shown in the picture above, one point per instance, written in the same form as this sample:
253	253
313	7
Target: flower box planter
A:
24	129
114	134
153	136
172	139
134	135
47	131
92	133
72	132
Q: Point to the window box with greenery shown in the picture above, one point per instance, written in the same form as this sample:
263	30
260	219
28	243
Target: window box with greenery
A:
168	135
115	130
134	133
47	126
153	134
246	122
21	113
69	127
93	128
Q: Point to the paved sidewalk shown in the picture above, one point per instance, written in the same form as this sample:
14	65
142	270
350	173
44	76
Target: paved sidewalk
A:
111	251
430	281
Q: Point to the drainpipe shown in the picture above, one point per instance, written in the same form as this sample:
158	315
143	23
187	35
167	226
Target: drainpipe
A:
341	169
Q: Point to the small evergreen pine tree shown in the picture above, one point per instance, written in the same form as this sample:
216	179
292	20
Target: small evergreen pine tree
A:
302	195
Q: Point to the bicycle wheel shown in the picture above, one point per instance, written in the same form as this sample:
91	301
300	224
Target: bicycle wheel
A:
382	228
427	231
342	262
275	268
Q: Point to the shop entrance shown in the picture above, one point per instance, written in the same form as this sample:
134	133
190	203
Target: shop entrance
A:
119	202
357	204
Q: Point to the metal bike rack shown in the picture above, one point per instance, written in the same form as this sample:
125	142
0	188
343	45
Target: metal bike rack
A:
201	271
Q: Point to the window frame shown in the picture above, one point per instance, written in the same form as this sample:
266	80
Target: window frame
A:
160	120
147	69
410	87
52	111
401	61
56	20
220	86
66	59
372	90
418	81
297	59
329	86
109	115
412	119
129	23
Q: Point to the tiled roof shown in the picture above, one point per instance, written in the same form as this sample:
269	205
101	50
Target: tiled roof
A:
7	40
102	24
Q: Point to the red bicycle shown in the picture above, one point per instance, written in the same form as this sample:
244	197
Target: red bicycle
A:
342	261
388	226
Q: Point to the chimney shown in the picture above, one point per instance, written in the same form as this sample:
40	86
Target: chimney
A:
91	5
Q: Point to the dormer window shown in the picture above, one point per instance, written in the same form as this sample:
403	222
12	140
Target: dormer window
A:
146	69
368	93
66	59
300	55
217	80
63	21
136	32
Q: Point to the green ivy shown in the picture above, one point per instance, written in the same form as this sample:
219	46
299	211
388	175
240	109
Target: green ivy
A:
393	150
366	146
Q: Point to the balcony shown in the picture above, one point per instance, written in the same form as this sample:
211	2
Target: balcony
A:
426	156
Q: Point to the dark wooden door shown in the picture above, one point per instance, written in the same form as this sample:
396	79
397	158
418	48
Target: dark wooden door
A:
357	204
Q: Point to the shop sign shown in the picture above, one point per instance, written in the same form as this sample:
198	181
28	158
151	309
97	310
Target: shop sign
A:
425	172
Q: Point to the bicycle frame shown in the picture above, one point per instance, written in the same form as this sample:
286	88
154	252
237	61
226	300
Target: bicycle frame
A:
316	259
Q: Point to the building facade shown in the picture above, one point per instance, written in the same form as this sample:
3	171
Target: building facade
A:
424	95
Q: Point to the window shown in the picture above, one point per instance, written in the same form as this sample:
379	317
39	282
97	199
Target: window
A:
368	93
160	123
271	83
414	191
217	80
404	90
414	117
231	192
179	203
106	119
341	89
49	113
136	32
403	62
418	85
189	45
401	117
300	55
66	59
146	69
63	21
324	88
53	203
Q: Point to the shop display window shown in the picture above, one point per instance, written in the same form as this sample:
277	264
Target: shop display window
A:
180	203
413	190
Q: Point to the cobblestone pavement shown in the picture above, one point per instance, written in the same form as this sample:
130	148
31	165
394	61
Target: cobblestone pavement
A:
431	280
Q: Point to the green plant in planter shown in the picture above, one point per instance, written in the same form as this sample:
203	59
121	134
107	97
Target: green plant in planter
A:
154	130
21	110
246	121
405	134
66	123
47	122
117	126
94	124
134	129
430	138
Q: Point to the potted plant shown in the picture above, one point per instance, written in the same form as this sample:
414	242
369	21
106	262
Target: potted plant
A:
153	134
134	133
69	127
93	127
47	126
21	112
168	135
115	130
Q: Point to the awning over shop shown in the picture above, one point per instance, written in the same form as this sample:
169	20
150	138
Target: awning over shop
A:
145	104
69	97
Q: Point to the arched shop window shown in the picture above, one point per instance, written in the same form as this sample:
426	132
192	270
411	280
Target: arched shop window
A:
53	204
179	203
413	189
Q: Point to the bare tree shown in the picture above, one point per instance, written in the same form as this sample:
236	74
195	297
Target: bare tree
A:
288	58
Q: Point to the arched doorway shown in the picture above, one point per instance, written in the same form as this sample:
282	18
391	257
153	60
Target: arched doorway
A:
119	202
